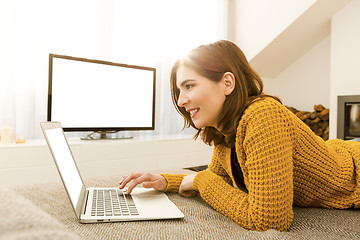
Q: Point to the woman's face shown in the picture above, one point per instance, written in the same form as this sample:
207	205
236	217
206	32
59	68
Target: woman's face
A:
200	96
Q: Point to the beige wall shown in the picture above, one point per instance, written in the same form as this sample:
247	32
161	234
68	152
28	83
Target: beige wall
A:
330	68
307	81
258	22
345	57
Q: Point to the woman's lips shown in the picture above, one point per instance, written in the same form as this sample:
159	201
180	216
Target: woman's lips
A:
193	112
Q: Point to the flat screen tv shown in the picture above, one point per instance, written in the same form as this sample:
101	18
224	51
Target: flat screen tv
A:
100	96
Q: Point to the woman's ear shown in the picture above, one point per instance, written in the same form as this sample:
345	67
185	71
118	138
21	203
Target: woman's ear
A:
229	82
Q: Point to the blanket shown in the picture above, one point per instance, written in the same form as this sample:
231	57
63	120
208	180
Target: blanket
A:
47	210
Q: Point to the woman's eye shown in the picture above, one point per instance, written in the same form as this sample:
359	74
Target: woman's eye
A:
189	86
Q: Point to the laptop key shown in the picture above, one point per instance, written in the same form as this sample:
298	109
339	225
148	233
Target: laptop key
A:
129	200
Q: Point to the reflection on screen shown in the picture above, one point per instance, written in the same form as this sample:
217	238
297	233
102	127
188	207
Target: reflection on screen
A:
354	119
65	163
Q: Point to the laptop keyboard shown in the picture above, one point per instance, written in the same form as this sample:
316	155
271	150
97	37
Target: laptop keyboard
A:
112	202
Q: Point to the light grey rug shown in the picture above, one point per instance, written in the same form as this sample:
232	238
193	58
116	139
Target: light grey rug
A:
200	222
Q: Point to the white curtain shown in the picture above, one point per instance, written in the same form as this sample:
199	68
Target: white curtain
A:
140	32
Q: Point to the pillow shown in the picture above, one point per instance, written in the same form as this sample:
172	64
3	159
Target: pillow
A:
21	219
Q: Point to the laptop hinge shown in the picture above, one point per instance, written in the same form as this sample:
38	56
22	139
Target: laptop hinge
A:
85	202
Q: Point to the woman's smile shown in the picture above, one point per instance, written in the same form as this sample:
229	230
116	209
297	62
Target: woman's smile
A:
193	112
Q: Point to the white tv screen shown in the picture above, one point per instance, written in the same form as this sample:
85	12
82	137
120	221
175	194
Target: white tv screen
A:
93	95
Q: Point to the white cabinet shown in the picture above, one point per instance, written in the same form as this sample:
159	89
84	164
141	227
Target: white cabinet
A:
30	163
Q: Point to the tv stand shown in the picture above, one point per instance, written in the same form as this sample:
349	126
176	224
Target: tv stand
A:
103	135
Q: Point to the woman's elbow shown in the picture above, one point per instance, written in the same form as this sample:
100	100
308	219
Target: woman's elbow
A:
278	223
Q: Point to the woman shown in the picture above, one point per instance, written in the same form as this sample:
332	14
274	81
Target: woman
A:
265	159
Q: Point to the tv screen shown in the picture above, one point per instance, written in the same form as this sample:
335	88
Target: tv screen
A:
94	95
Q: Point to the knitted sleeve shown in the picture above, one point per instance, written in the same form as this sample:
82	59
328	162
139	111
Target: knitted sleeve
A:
266	150
216	167
173	181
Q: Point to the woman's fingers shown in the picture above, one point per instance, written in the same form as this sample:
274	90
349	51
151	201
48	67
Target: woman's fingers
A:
142	178
190	193
148	180
128	178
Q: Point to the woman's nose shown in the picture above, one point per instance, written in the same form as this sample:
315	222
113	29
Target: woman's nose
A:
182	100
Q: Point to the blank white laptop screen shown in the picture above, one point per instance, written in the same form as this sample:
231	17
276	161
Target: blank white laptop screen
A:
65	163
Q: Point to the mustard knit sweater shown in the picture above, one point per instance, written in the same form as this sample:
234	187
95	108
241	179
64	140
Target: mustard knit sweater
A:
284	164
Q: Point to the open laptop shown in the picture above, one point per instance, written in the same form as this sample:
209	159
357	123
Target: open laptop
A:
103	204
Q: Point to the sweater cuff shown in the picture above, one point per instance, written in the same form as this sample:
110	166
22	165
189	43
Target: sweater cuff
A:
173	181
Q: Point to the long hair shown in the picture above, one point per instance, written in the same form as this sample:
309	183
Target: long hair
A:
213	61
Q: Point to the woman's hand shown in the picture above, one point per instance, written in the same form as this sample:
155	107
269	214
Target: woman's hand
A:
186	186
148	180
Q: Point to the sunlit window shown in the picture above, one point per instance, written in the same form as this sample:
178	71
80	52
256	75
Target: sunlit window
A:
141	32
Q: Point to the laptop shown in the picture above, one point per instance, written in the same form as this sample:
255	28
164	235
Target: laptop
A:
93	205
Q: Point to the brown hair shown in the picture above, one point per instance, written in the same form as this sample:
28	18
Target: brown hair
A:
213	61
